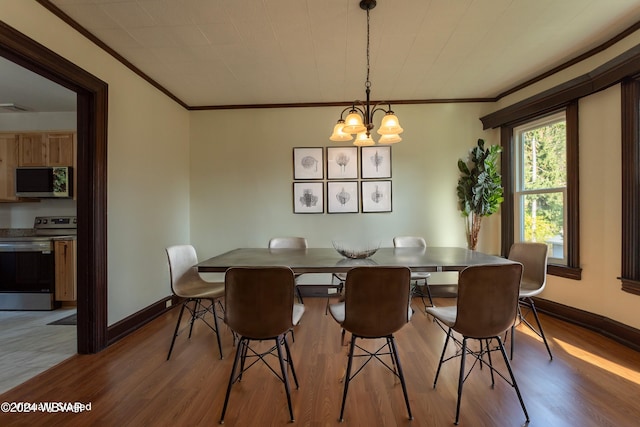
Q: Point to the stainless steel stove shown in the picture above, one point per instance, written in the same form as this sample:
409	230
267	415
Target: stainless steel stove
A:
27	264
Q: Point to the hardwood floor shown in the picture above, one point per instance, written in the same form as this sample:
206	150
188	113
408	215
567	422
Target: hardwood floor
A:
592	381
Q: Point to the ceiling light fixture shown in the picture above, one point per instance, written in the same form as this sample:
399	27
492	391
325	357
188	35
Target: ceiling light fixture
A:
359	121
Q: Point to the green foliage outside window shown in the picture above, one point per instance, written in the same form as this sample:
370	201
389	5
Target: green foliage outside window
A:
544	167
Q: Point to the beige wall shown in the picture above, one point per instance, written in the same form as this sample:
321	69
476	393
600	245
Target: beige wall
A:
242	174
148	163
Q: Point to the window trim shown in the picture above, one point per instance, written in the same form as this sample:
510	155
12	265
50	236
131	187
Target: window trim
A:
630	169
507	139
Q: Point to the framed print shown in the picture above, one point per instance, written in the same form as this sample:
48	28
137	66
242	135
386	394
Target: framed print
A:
308	197
376	196
376	162
342	197
342	162
308	163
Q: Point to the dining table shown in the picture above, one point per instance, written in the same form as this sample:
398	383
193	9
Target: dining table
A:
328	260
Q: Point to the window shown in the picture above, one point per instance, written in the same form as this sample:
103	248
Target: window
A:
554	188
540	193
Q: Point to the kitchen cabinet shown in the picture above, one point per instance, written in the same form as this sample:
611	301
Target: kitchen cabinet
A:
33	149
64	252
60	149
9	153
47	149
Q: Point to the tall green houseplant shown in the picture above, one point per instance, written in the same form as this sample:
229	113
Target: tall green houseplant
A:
479	188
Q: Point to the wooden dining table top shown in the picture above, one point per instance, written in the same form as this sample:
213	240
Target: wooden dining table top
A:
328	260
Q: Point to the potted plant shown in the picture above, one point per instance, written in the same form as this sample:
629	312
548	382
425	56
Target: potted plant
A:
479	188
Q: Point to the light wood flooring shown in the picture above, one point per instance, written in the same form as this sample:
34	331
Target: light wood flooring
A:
592	381
29	346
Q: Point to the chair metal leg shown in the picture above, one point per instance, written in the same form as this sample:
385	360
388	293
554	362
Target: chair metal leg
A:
347	376
239	351
194	314
540	332
394	350
544	339
290	360
175	332
285	379
444	349
215	322
493	382
461	378
299	294
513	379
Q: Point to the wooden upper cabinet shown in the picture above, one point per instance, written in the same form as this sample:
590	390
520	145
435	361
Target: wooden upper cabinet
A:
47	149
60	149
33	149
9	153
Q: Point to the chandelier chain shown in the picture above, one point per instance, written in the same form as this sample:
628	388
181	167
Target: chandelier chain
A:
367	83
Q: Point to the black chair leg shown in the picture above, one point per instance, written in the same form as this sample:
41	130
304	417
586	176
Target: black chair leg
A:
285	379
513	379
347	377
444	349
461	378
175	332
493	382
215	322
289	360
239	351
194	315
544	339
394	350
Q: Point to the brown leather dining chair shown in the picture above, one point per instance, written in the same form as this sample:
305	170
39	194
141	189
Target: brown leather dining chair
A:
376	305
533	257
260	306
486	308
199	296
290	243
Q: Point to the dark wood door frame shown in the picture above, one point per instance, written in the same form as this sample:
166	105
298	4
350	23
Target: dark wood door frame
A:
91	176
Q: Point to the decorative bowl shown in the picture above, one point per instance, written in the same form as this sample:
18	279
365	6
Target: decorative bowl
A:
356	250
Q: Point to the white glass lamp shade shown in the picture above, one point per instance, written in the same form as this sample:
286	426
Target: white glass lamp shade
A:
338	135
353	123
390	125
389	139
362	139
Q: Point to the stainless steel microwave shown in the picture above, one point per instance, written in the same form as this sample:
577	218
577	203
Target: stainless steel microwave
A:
44	182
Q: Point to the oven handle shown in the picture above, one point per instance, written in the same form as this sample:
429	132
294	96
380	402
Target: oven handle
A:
44	247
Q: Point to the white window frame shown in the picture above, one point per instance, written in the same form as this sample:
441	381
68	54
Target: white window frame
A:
519	191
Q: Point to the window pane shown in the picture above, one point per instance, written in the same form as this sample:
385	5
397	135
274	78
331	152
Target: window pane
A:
544	156
543	216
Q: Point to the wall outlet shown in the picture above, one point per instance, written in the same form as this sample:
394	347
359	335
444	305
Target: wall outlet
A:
168	303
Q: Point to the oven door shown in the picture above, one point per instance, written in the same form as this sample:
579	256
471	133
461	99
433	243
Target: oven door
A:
27	278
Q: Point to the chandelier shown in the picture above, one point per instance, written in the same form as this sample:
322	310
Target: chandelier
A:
359	120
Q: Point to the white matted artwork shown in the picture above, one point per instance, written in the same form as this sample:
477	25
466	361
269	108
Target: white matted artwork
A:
342	197
376	162
376	196
308	163
308	197
342	162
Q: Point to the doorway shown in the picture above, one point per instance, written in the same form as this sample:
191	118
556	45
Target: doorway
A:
91	178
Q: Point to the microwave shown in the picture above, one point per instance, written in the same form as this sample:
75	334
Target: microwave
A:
44	182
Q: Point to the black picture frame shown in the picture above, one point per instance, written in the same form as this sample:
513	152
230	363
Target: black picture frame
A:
308	163
308	197
375	162
342	197
342	162
376	196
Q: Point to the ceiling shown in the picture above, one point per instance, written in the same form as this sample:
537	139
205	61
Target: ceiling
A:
248	52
